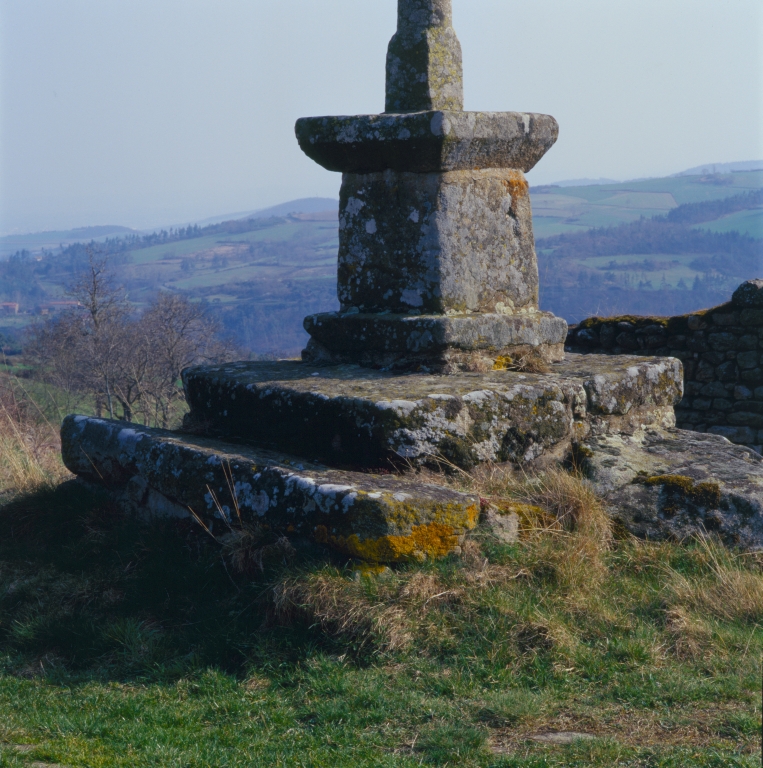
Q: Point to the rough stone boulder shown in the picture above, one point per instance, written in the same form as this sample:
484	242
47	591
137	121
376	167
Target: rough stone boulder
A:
675	484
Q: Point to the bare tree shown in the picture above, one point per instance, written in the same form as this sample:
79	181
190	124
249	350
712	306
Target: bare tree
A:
127	362
177	334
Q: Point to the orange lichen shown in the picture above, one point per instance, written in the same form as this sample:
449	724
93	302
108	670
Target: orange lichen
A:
432	541
516	184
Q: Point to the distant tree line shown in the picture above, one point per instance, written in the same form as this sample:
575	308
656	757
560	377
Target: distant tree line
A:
696	213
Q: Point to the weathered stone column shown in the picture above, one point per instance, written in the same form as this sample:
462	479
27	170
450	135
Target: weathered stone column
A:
437	264
424	69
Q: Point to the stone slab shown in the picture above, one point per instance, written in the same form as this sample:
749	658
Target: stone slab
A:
674	484
437	342
436	243
377	518
427	142
353	416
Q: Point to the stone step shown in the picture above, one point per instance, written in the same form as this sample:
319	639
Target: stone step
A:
372	517
674	484
358	417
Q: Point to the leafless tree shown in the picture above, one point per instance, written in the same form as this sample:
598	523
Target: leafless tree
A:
127	362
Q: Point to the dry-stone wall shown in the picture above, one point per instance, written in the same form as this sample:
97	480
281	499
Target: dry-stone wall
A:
722	353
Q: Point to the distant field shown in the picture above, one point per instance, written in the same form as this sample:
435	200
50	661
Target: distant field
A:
660	269
747	222
570	209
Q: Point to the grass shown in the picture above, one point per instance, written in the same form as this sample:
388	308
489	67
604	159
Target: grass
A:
29	441
125	643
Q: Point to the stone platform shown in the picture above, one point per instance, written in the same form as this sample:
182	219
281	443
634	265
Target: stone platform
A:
358	417
157	473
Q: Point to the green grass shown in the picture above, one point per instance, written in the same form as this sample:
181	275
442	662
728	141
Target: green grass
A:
132	644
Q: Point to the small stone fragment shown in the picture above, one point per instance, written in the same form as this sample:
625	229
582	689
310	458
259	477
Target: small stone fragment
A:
562	738
503	525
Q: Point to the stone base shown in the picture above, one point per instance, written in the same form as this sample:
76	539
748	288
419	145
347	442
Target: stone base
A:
436	343
673	484
376	518
357	417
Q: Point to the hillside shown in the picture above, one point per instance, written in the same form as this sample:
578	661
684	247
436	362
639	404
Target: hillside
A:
575	209
660	246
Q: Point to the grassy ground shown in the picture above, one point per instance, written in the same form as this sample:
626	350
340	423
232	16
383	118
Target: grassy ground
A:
132	644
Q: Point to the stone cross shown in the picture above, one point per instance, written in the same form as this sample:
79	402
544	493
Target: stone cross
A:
437	267
424	68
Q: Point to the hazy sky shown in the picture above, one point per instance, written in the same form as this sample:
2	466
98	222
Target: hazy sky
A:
153	112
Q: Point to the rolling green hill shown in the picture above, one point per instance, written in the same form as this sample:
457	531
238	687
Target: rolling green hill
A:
574	209
260	277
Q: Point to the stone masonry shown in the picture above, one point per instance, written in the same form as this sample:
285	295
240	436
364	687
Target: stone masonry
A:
722	354
440	353
434	218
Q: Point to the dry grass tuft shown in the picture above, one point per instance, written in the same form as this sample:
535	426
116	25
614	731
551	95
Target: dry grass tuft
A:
729	592
30	449
342	608
247	546
564	526
690	635
527	361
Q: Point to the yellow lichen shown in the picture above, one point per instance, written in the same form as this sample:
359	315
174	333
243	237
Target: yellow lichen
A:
430	541
704	494
530	516
425	541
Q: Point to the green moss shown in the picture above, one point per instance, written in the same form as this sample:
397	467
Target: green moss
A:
638	321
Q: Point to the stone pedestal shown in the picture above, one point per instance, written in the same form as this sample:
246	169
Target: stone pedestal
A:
437	275
435	218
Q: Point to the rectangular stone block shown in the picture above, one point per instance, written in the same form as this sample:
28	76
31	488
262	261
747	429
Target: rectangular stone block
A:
748	360
746	419
377	518
435	243
435	342
351	416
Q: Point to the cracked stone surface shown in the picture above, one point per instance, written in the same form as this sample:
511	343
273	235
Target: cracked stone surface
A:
377	518
674	484
353	416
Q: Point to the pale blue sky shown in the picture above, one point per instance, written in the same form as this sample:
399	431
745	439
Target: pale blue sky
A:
153	112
